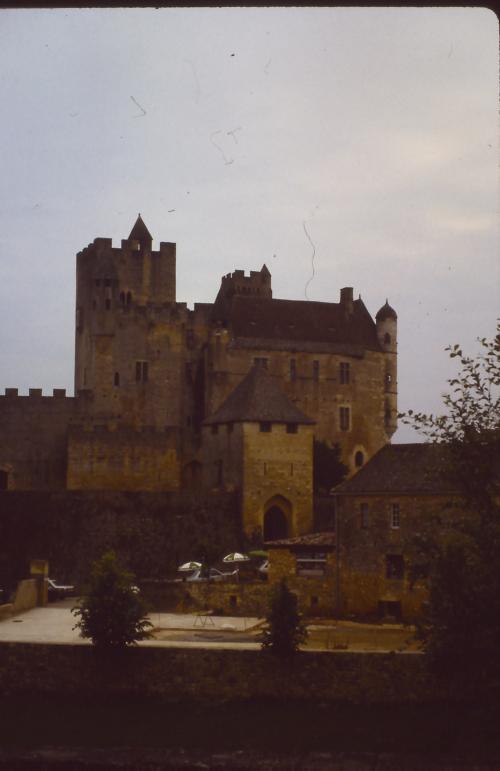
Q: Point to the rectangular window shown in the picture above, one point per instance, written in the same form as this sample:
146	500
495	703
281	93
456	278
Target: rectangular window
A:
219	471
262	362
394	566
291	469
215	428
316	371
265	427
293	370
229	428
345	418
395	516
363	511
141	371
311	563
345	372
292	428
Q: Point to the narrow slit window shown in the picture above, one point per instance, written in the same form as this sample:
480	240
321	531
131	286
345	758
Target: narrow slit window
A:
345	418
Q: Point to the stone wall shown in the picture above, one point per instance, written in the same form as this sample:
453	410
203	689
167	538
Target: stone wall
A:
315	594
211	675
319	397
33	444
122	459
277	464
368	542
152	533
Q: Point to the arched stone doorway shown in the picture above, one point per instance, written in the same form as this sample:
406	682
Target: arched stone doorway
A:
276	519
275	524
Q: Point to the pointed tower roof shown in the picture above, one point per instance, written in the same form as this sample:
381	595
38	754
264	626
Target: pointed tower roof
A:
258	398
140	233
386	312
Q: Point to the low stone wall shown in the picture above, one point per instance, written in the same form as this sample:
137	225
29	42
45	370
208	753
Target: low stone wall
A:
215	675
26	596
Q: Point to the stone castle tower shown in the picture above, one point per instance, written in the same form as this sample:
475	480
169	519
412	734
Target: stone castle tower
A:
153	378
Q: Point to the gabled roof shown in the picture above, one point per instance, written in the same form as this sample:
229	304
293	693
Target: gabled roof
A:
298	322
258	398
403	468
140	232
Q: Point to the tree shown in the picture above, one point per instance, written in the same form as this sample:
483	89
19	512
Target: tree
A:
461	629
112	613
285	630
328	469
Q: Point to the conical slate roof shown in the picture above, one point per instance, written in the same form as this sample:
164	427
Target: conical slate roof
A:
386	312
140	232
258	398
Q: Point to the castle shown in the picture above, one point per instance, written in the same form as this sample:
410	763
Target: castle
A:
229	395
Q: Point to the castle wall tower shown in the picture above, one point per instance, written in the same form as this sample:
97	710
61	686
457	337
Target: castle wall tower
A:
129	335
387	331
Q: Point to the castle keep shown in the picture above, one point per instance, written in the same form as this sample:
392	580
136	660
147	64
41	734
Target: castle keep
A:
229	395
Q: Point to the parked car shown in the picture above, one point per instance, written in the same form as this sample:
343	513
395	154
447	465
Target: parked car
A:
58	591
215	575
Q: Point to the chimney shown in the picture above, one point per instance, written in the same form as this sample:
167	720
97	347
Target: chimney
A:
346	299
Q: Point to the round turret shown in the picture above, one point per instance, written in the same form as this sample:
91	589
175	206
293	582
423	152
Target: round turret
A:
386	312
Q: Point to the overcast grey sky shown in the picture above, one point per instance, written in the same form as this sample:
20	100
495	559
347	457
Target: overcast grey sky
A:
229	130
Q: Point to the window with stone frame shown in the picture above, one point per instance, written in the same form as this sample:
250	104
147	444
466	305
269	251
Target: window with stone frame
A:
311	562
345	372
141	371
395	516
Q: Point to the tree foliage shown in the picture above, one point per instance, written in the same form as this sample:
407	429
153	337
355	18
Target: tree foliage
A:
285	630
112	613
461	629
328	469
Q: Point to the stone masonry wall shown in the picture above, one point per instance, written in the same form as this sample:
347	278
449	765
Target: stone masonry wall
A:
34	435
277	463
213	675
321	397
122	459
365	547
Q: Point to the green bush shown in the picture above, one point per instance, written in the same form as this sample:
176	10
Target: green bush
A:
112	612
285	631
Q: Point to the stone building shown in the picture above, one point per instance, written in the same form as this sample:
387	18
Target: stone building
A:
155	381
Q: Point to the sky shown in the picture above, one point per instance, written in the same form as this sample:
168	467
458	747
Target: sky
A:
340	146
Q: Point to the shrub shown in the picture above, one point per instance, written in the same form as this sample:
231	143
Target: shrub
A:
112	612
285	630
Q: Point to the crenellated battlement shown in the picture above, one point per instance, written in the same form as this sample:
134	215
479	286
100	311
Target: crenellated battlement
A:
36	394
257	283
